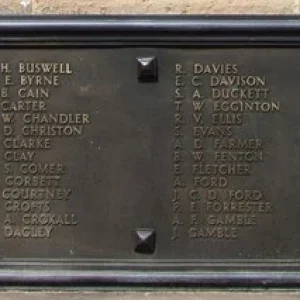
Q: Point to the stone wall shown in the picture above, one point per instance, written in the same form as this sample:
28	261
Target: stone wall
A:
150	6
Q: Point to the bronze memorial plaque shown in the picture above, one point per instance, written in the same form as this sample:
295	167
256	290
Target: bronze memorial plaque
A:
161	161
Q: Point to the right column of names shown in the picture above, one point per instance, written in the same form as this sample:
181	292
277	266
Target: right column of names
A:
223	159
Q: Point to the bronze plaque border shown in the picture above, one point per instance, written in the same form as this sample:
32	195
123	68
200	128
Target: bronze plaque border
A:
144	31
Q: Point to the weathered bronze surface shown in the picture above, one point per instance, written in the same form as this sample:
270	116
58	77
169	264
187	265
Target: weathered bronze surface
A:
205	156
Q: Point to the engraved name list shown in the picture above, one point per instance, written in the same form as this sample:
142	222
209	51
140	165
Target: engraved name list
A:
33	186
212	103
